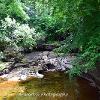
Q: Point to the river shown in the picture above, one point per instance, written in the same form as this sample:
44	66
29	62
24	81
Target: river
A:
54	86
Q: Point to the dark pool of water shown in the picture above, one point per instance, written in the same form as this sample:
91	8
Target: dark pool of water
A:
57	86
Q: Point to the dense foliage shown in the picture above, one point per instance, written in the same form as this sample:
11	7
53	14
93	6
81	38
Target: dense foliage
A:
75	23
13	8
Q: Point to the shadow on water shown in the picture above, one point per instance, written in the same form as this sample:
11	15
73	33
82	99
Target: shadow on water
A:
56	86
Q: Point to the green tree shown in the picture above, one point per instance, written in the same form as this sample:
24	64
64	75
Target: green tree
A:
13	8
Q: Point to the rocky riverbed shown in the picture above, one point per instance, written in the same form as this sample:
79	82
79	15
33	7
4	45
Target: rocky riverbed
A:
34	64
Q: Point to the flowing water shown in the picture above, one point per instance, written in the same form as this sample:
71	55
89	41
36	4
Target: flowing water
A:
54	86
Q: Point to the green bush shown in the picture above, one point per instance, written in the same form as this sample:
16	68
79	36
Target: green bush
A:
18	34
